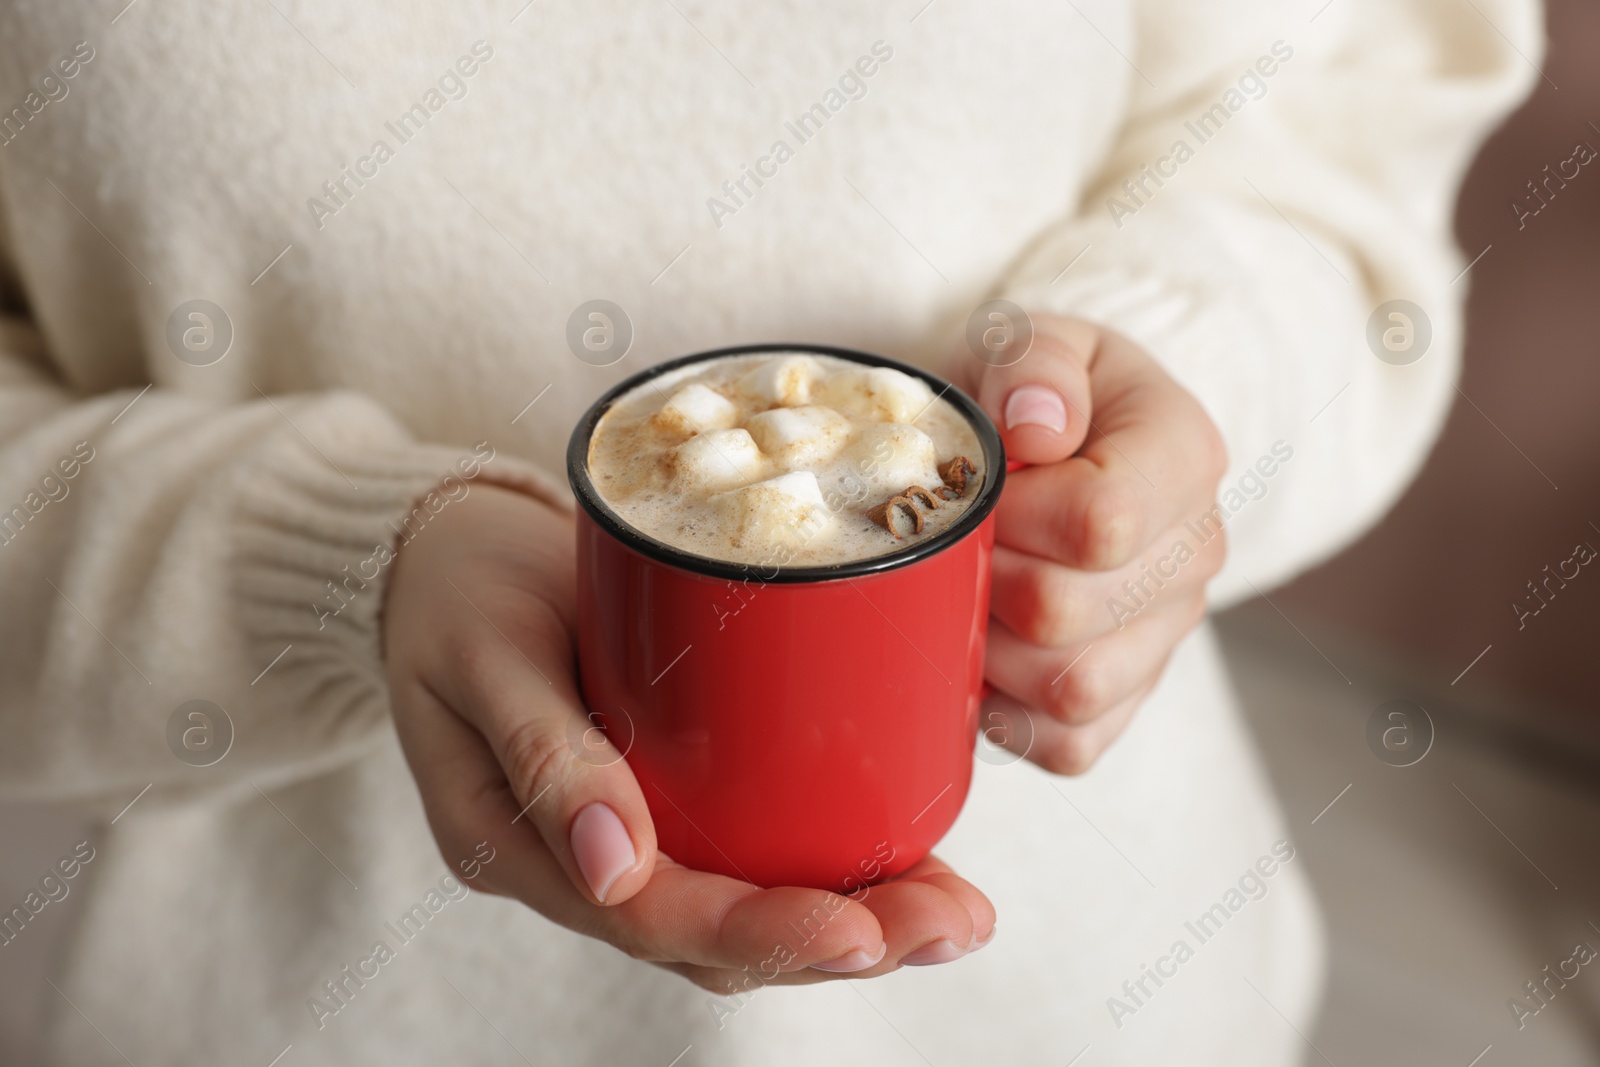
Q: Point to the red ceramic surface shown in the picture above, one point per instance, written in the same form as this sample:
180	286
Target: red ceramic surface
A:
815	734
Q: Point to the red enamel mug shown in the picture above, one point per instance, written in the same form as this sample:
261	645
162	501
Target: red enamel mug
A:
804	726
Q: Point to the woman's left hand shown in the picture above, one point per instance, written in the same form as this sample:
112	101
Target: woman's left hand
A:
1104	544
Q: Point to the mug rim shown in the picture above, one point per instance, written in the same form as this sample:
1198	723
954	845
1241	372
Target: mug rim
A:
588	497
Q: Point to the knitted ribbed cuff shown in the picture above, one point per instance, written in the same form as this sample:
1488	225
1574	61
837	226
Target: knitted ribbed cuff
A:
1200	328
316	531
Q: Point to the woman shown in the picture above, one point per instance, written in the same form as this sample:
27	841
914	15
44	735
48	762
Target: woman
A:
290	287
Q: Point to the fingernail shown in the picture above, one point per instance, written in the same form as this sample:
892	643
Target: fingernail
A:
602	847
976	945
852	961
934	952
1036	405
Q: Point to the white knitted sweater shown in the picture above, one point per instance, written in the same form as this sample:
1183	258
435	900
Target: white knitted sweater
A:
397	210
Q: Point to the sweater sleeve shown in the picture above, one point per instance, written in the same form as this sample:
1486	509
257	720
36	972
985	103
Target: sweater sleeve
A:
1274	182
157	549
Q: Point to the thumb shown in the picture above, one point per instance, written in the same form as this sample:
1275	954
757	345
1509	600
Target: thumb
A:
1041	402
570	780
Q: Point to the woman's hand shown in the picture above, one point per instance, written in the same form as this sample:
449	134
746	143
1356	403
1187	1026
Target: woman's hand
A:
1104	544
479	642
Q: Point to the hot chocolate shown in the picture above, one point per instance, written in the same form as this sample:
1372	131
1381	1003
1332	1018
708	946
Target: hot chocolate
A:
786	459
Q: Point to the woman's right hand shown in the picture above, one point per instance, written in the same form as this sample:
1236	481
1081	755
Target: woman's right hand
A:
479	633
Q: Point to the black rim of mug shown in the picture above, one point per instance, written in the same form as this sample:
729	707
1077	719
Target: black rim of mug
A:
589	499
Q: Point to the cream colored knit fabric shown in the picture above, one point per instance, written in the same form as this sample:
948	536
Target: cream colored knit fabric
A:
395	310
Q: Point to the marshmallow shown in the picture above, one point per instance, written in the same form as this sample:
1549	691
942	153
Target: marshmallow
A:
717	460
799	437
785	381
786	510
891	456
881	393
696	409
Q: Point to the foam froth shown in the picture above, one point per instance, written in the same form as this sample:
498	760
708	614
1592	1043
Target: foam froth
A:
775	459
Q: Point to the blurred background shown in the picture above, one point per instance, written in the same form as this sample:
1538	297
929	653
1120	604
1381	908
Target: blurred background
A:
1449	883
